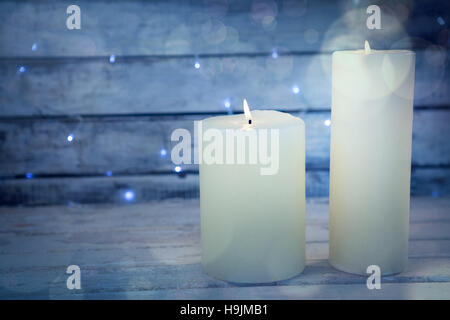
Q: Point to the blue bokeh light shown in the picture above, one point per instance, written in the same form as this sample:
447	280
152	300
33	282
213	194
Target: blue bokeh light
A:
22	69
274	54
34	47
295	89
112	58
163	152
70	138
29	175
109	173
129	195
177	169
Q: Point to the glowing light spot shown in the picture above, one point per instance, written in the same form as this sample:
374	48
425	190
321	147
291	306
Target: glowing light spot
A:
274	54
22	69
295	89
29	175
109	173
327	122
177	169
227	103
440	20
197	65
34	47
129	195
112	58
367	48
70	137
163	152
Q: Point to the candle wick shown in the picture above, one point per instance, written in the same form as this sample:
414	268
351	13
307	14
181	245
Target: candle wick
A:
247	113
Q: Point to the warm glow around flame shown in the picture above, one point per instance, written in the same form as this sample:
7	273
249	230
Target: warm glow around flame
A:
248	115
367	47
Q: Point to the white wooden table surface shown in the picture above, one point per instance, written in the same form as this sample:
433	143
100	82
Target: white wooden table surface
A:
152	251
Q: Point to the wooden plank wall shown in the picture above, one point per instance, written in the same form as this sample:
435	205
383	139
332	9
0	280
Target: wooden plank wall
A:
155	253
122	83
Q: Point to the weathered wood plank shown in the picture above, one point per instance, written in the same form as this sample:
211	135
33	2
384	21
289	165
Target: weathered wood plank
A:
157	245
148	280
430	133
50	191
97	189
432	181
410	291
423	209
99	280
155	252
131	145
191	27
40	252
176	215
121	145
173	85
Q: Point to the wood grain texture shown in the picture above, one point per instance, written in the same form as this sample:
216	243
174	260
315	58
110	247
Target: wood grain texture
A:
152	251
123	145
79	190
70	87
411	291
131	145
191	27
75	190
164	85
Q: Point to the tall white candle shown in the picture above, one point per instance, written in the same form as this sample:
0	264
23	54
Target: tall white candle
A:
253	220
370	160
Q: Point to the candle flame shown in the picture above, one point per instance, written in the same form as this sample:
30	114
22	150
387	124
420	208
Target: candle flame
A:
248	115
367	47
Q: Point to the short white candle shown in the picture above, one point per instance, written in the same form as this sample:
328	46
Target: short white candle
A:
253	225
370	160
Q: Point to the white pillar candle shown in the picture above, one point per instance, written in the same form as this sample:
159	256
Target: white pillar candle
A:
253	220
370	160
